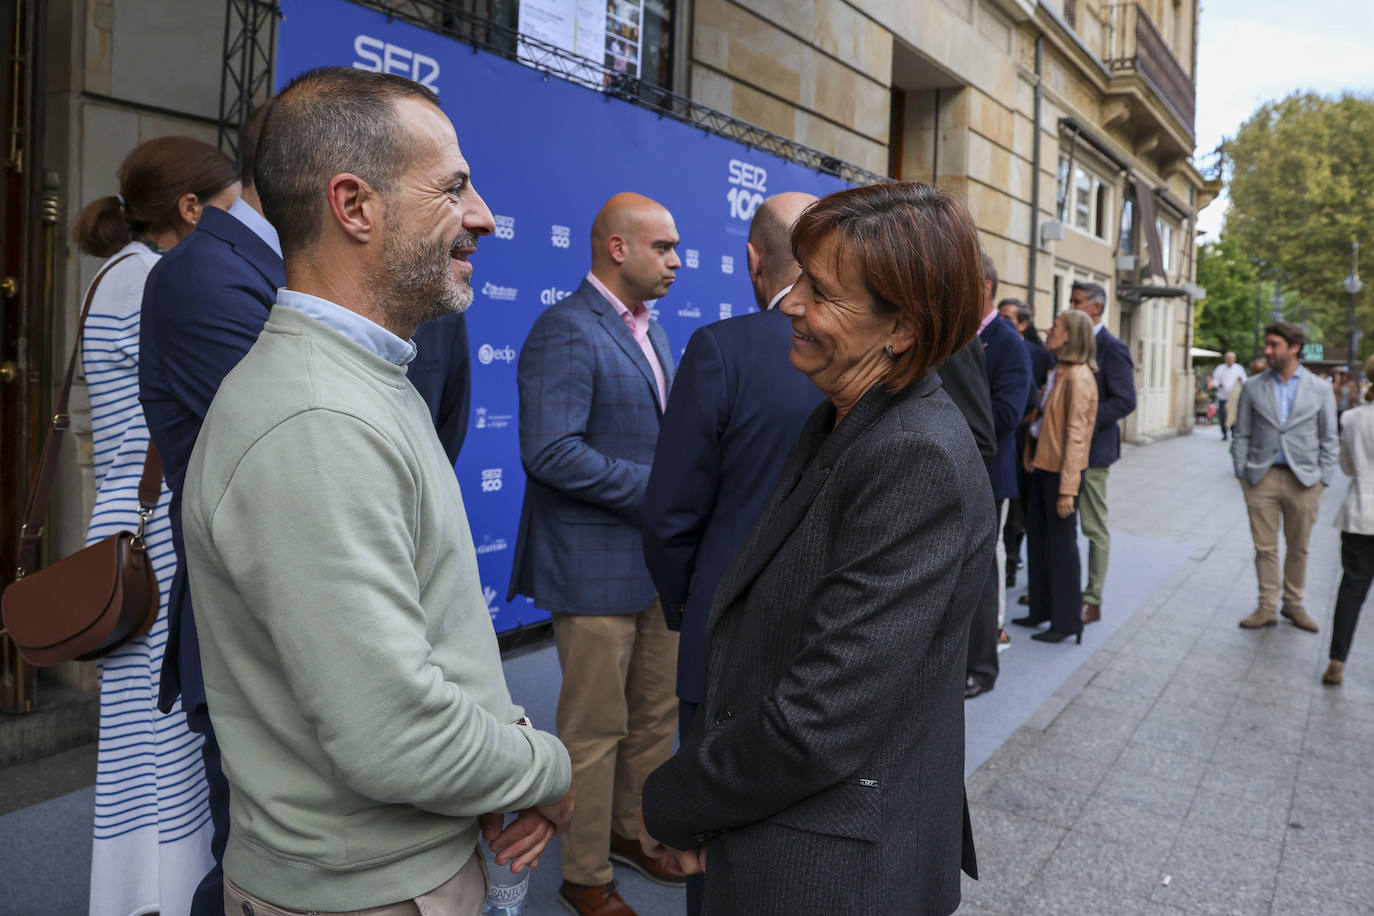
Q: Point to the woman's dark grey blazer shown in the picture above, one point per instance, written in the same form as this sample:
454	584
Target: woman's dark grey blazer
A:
824	771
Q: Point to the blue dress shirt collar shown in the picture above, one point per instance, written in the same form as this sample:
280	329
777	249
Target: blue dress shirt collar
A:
367	334
256	223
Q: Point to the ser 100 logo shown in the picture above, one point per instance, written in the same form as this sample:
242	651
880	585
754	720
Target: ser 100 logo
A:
382	57
749	184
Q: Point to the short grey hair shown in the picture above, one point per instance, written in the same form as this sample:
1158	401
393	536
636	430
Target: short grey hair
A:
1094	291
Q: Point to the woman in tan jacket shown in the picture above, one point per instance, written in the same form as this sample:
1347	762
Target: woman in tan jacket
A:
1056	454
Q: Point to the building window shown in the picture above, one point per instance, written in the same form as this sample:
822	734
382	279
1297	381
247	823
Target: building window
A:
1166	245
1128	227
1088	207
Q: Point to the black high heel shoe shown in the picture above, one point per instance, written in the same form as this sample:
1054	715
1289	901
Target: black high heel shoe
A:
1057	636
1029	621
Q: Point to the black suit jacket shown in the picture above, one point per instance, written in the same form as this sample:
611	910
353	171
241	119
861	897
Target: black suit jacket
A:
203	307
1115	398
965	377
824	771
736	408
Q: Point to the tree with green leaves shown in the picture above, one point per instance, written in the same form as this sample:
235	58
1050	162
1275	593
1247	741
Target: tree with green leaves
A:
1225	319
1302	189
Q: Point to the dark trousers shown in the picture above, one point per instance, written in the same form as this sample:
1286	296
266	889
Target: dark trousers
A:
208	899
1053	570
695	883
1221	415
1014	531
1357	559
982	633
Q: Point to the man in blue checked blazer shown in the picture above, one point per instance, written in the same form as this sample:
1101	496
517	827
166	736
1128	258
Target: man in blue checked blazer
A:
203	307
594	376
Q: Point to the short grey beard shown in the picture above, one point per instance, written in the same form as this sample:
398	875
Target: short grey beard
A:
419	285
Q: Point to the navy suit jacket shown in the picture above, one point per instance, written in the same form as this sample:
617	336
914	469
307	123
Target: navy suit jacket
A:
1009	385
736	410
1115	398
589	421
203	306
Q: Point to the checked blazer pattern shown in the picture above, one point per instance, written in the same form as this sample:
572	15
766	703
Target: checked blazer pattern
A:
589	423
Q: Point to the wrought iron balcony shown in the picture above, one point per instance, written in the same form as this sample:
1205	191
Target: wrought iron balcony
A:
1138	47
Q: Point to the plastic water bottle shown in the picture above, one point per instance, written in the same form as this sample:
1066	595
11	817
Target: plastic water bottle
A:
506	891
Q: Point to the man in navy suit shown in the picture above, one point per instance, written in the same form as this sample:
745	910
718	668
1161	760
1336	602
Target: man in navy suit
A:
1009	382
594	375
1115	401
203	306
737	407
1020	315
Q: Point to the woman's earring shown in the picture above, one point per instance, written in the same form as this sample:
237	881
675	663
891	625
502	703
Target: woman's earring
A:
890	353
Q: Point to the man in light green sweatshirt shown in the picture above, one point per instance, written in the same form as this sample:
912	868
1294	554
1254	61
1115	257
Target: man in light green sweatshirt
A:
351	669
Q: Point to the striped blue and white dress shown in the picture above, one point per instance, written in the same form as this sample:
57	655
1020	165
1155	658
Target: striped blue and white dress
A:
152	818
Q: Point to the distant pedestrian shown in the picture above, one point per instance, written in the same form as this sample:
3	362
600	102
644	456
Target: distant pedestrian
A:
1115	401
1285	453
1356	521
1014	531
1056	455
1225	378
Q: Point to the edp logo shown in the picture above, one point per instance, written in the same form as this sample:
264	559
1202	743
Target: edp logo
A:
560	236
505	227
380	57
749	184
487	354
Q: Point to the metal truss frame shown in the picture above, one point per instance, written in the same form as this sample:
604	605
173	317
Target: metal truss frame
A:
250	38
250	44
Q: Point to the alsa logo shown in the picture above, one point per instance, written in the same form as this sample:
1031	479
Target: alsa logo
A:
748	185
505	227
560	236
487	354
500	293
553	294
381	57
491	480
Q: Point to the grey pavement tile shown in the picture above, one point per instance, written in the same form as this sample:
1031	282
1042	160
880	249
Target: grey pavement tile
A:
1017	793
1171	766
1200	715
1286	901
968	908
1157	796
1089	874
1011	850
1176	738
1337	750
1241	816
1290	700
1101	694
1340	703
1084	731
1197	694
1330	873
1341	728
1046	763
1271	732
1118	820
1355	780
1216	872
1248	784
1131	672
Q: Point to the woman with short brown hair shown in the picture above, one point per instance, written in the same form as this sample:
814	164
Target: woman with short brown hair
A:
824	770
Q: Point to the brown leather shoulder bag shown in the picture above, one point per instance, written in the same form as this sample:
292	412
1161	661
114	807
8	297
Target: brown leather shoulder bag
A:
96	600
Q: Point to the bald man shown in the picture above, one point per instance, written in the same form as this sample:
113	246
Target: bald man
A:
594	375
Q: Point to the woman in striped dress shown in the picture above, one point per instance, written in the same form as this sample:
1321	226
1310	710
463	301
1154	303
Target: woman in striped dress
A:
152	822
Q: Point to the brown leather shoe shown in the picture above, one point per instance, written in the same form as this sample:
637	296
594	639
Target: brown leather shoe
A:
593	900
1300	619
1091	613
663	870
1335	673
1259	620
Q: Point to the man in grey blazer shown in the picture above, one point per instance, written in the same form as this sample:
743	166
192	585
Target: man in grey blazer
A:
1285	452
594	376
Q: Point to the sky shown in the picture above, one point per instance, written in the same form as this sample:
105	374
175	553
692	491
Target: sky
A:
1253	51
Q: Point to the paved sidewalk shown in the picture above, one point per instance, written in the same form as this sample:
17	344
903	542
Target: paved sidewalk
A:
1189	765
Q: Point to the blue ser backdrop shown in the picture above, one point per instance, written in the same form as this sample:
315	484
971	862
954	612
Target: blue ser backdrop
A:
546	154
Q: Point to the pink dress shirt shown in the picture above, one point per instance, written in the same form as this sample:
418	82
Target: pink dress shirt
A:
638	323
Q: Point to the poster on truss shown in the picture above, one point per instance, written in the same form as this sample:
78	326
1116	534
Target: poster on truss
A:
607	32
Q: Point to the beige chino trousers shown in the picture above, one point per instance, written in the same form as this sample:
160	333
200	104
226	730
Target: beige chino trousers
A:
1281	499
617	714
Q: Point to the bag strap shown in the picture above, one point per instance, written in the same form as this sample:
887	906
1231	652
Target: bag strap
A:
40	491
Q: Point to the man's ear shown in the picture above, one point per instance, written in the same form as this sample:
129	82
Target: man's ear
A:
355	206
618	248
755	261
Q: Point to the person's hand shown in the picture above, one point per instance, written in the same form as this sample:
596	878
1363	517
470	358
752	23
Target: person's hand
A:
560	812
1065	506
692	862
522	842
